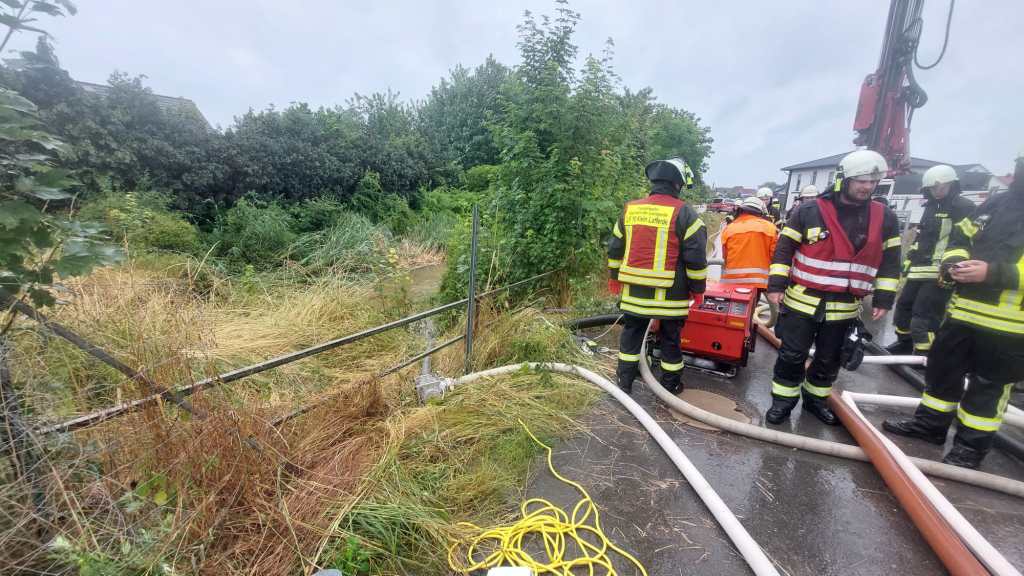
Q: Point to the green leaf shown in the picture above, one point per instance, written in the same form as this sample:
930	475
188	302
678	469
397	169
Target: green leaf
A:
16	213
68	5
161	498
12	3
46	8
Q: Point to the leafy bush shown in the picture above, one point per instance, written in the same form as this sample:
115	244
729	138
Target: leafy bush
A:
353	244
316	214
143	220
254	233
380	206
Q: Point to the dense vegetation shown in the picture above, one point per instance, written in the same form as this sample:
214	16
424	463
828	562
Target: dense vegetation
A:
547	149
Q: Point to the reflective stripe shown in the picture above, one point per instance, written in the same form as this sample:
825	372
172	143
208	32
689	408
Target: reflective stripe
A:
616	231
648	272
967	227
940	246
819	391
645	311
891	284
660	246
780	389
893	242
1020	274
922	275
643	280
697	274
693	228
937	404
837	266
956	253
978	422
676	367
817	279
792	234
932	269
839	316
747	280
1001	312
629	357
795	304
780	270
614	263
902	330
746	271
985	321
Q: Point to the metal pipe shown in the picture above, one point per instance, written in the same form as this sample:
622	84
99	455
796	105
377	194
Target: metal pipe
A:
471	289
936	531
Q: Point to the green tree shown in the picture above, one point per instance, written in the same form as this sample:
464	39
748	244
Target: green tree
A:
456	115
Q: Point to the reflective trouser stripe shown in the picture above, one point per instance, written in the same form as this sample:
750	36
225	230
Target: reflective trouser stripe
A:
645	311
780	389
629	357
903	331
672	367
819	391
978	422
937	404
925	346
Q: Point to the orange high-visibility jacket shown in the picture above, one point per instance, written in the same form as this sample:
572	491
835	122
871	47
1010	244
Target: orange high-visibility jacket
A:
748	244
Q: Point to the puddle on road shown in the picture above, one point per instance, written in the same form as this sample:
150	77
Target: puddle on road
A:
711	402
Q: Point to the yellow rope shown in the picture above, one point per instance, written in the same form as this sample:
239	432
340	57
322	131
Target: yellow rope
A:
486	548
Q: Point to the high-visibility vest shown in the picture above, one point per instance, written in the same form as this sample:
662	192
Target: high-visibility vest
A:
652	241
826	261
748	244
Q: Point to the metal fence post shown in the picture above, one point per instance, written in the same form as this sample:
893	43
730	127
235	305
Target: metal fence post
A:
471	298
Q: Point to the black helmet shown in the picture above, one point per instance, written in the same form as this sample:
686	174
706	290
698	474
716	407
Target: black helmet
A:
673	170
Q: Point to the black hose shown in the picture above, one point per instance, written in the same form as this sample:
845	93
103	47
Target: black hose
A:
594	321
1005	443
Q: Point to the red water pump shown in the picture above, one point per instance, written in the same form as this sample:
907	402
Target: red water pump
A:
718	334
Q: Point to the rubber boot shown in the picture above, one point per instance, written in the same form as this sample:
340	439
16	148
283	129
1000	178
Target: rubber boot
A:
915	428
625	374
901	347
672	381
964	456
781	407
819	407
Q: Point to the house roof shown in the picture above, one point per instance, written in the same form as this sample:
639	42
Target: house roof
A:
833	161
166	103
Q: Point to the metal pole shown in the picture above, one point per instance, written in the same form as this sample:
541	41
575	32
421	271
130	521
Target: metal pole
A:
471	304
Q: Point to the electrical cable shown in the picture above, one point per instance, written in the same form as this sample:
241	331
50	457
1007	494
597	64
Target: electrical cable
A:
562	534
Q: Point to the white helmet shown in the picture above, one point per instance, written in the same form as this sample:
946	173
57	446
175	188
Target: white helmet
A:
752	204
940	174
863	165
809	191
764	192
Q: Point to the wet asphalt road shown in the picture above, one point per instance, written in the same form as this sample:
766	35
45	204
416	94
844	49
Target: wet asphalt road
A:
812	514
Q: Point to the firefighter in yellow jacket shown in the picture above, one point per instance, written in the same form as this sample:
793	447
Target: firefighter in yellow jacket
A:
657	259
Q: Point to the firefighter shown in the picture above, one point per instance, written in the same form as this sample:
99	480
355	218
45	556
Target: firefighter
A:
809	192
832	252
922	303
764	193
982	338
657	259
748	244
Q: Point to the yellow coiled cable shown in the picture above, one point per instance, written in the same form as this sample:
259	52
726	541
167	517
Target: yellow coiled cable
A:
481	548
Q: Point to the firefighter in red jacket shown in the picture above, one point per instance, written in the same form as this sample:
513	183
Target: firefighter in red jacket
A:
657	259
833	251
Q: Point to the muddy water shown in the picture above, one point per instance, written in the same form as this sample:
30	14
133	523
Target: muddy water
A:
426	280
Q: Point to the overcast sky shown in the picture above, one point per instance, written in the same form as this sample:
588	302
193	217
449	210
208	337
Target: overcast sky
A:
777	82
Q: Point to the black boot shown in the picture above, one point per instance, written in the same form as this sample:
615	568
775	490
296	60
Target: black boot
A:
900	347
672	381
915	428
819	407
779	412
964	456
625	375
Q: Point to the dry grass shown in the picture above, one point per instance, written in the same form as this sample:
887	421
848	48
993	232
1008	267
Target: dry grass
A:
366	474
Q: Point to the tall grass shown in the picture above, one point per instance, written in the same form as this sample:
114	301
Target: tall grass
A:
367	477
